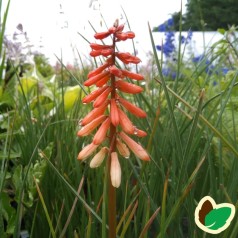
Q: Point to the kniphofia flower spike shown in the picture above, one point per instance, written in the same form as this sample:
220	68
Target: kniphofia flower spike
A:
109	107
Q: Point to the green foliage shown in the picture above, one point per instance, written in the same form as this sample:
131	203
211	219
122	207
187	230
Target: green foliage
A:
208	15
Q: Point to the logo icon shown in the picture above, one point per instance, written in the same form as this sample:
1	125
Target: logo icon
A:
213	218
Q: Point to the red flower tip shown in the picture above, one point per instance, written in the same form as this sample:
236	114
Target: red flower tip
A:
103	81
132	108
96	78
96	112
132	75
128	87
95	46
102	35
126	123
140	133
114	113
98	70
102	98
93	95
102	132
130	34
86	130
127	58
137	149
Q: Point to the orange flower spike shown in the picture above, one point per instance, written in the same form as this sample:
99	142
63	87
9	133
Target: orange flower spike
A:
98	70
115	71
132	75
128	87
98	158
87	151
96	112
86	130
132	108
114	113
122	149
137	149
115	170
102	132
102	98
126	123
102	35
95	78
103	81
93	95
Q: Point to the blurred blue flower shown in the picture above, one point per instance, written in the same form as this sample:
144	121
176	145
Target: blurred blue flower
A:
167	72
166	26
168	47
225	70
188	38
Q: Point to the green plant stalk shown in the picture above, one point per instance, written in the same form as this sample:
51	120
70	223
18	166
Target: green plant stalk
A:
162	226
45	210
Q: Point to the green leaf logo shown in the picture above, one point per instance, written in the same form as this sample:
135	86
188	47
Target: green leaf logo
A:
213	218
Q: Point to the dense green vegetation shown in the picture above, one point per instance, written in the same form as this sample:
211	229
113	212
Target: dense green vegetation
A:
208	15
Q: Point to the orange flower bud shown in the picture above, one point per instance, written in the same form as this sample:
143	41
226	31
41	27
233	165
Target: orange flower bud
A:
96	112
140	133
117	72
114	113
93	95
86	130
95	53
103	81
102	35
132	108
122	149
98	158
132	75
130	34
126	123
87	151
98	70
106	52
127	58
95	46
137	149
102	132
95	78
121	36
128	87
102	98
115	170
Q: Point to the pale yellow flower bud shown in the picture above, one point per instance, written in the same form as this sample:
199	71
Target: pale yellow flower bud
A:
98	158
115	170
